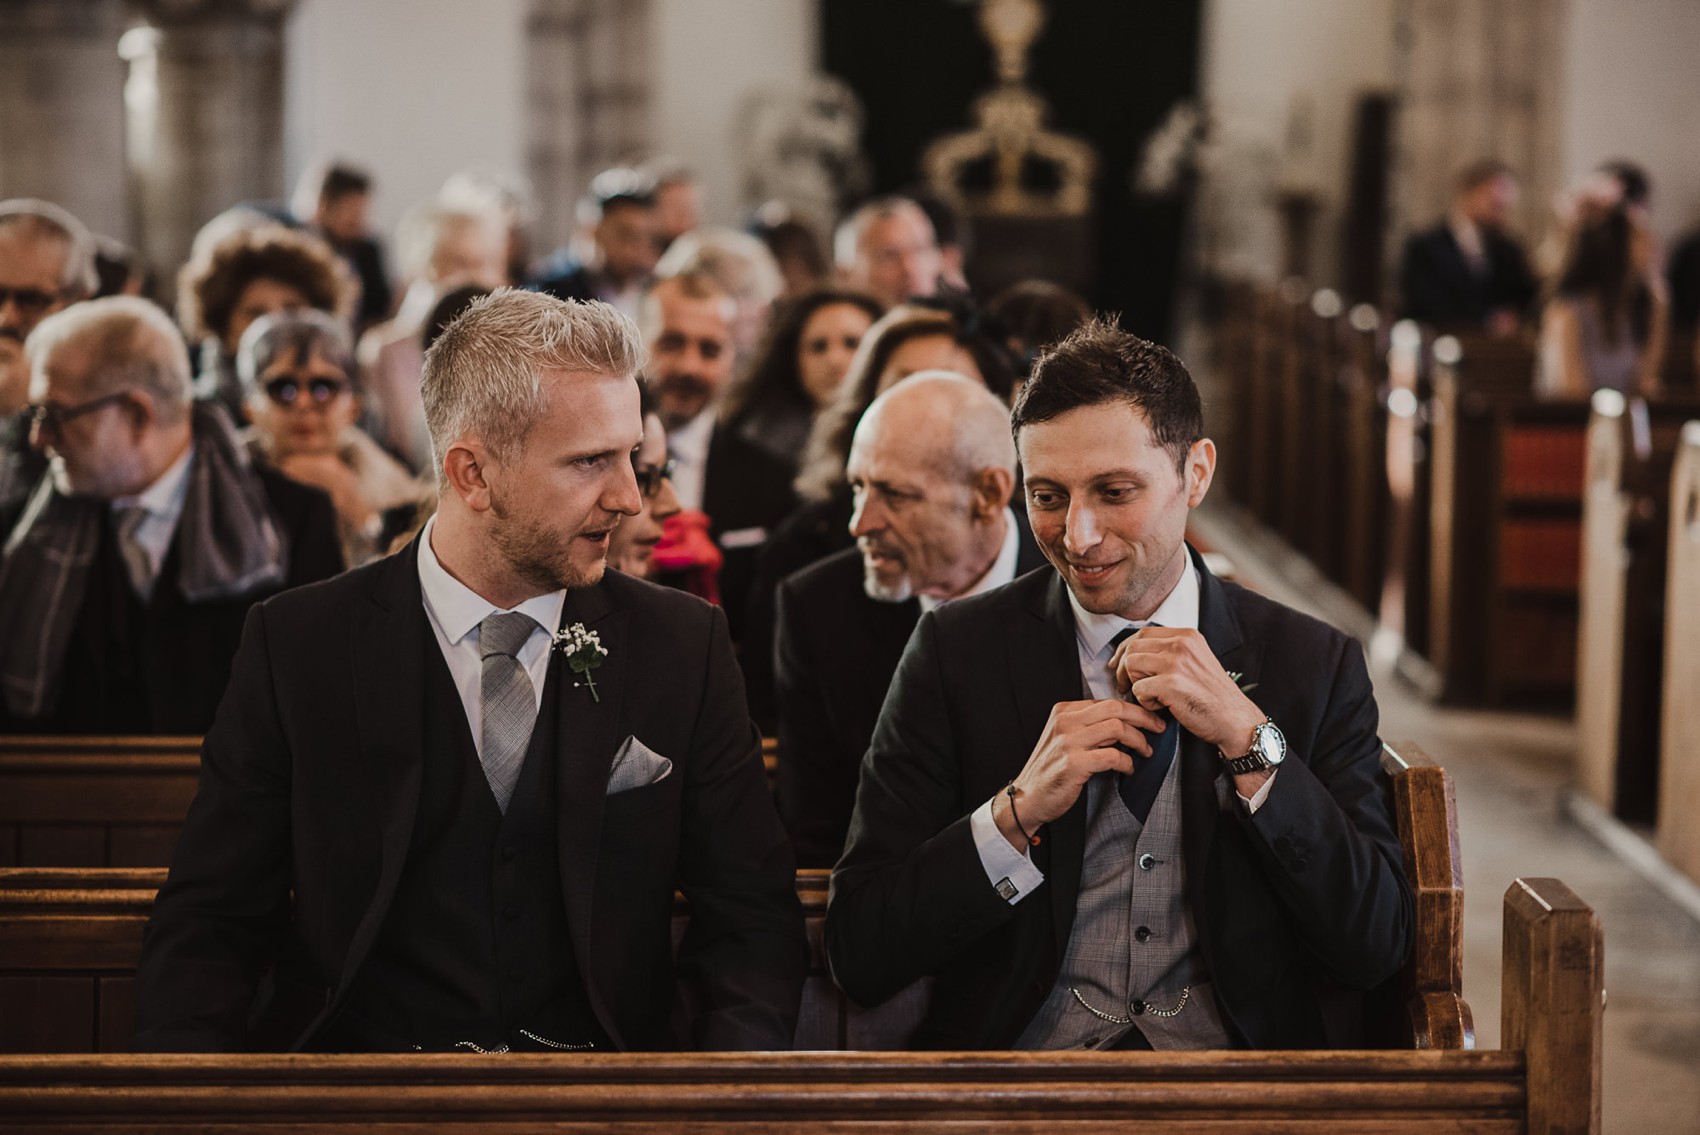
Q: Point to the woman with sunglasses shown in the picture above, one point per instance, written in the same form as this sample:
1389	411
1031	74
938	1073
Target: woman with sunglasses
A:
631	548
295	367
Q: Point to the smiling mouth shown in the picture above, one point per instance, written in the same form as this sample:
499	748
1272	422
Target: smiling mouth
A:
1092	573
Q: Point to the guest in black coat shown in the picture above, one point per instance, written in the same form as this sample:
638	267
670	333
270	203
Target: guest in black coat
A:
1467	274
126	582
932	469
450	796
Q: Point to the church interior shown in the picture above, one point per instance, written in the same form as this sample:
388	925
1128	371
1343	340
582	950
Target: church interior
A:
1434	266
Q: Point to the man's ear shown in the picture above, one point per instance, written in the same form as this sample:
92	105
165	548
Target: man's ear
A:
991	489
467	465
143	411
1200	470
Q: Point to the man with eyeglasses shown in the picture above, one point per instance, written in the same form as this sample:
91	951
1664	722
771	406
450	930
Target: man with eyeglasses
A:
46	262
125	583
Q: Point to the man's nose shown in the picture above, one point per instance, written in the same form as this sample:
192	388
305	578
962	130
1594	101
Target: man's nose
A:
1080	530
866	516
625	497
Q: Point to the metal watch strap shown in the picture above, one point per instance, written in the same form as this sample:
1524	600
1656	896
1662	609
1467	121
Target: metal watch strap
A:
1253	759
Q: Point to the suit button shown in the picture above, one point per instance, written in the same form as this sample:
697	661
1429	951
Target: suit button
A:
1143	934
1147	861
508	853
510	912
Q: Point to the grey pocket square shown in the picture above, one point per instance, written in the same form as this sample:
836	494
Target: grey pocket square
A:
635	766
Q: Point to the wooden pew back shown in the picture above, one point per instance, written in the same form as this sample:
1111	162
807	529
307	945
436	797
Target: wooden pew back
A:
1679	762
94	801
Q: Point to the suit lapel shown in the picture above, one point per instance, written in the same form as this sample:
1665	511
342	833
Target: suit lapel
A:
1201	765
389	637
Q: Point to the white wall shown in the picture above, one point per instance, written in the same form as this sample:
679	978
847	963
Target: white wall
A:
1634	92
411	89
709	54
1260	59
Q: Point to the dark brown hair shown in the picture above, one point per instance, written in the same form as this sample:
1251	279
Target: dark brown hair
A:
1100	363
209	287
773	376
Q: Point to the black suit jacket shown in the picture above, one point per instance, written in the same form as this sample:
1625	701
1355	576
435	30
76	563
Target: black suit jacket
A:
310	783
1293	907
836	652
1437	286
746	492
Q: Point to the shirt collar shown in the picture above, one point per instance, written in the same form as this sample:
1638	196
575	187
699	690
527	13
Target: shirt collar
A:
1001	571
1179	609
689	443
166	495
458	609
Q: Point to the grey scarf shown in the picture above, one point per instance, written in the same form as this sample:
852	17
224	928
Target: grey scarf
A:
230	544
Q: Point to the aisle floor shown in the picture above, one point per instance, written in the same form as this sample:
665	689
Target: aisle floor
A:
1512	773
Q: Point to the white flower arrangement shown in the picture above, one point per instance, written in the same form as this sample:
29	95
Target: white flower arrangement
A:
584	652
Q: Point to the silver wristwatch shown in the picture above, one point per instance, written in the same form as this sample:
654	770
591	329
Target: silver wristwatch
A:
1268	749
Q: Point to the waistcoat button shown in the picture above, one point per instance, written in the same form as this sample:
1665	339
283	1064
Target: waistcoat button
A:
1143	934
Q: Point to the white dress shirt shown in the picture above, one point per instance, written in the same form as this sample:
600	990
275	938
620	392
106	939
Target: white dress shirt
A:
1000	573
162	502
455	610
688	447
1092	636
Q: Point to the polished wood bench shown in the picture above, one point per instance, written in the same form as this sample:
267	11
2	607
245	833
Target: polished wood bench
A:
1545	1081
1679	730
109	801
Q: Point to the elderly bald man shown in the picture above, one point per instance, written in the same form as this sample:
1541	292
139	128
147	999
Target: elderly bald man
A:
932	468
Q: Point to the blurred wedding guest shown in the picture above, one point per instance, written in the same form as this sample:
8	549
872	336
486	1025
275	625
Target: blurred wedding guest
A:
678	201
888	249
448	309
297	369
119	269
46	262
509	194
442	247
1468	273
795	248
1683	279
906	340
932	471
124	587
743	268
1604	326
333	200
797	370
726	486
249	273
1030	315
954	233
631	546
620	214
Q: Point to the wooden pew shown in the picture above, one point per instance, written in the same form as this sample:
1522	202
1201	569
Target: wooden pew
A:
1545	1081
94	801
1359	540
70	939
1631	449
1679	743
1403	603
111	801
1505	528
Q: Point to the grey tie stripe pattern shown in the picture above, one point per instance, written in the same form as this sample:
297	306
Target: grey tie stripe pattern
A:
509	701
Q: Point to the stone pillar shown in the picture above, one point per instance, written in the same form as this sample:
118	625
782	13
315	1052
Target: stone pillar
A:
1478	79
61	98
204	118
588	65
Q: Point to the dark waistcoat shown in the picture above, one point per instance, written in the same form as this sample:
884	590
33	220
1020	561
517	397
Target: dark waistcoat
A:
475	946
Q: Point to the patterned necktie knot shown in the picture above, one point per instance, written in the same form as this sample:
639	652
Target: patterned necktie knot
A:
505	633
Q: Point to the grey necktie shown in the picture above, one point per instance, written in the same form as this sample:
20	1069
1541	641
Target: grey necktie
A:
509	701
137	564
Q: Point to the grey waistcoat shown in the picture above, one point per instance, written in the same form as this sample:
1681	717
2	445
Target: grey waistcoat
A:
1133	937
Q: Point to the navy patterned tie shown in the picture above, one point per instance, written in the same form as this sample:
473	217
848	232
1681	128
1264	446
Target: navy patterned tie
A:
1139	788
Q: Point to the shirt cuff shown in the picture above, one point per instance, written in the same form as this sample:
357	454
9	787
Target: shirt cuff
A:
1011	872
1251	805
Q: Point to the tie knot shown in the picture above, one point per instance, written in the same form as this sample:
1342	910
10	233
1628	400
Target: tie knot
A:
504	633
129	518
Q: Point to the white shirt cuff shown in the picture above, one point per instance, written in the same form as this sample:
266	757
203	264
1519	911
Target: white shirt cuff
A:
1251	805
1011	872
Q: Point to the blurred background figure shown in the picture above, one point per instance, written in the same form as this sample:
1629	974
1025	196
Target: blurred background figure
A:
333	201
888	249
1468	273
297	372
797	370
250	273
631	548
621	218
443	247
678	201
1604	325
1029	316
743	268
46	262
795	248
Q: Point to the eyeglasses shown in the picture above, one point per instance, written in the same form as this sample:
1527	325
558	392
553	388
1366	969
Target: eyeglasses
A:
649	477
46	416
287	390
30	302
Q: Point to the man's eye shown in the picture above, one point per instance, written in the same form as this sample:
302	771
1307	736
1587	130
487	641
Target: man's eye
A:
1044	499
711	350
1116	494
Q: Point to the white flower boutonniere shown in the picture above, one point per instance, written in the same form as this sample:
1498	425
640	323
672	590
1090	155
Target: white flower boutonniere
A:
1237	678
584	652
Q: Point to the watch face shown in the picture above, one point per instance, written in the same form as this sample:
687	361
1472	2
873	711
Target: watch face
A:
1268	742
